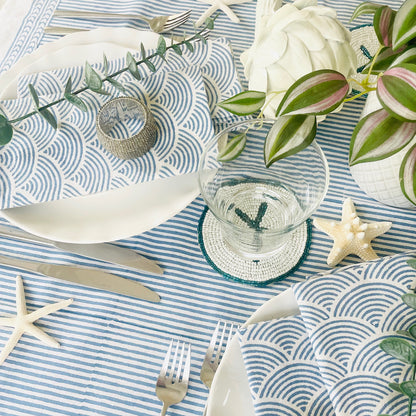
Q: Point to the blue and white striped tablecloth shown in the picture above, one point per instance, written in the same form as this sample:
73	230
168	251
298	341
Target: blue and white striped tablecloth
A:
113	346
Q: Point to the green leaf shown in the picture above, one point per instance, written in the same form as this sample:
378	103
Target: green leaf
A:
407	175
244	103
231	148
189	46
318	92
400	349
92	79
396	90
407	55
395	387
209	23
412	331
142	51
132	66
404	28
408	388
161	46
383	25
76	101
201	38
150	65
288	135
49	117
177	49
68	86
365	8
105	61
404	333
6	130
410	299
116	84
379	135
412	263
34	95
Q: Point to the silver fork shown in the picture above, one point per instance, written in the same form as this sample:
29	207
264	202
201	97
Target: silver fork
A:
172	383
157	24
220	338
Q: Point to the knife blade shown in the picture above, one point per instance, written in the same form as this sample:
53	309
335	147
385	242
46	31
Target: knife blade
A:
100	251
87	277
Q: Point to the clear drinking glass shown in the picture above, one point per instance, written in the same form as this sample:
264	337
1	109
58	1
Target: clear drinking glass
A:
259	208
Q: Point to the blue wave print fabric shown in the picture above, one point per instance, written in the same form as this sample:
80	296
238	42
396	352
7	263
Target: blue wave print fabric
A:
283	375
38	165
347	313
41	164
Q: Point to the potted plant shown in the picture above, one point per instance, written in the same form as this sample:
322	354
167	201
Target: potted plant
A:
382	133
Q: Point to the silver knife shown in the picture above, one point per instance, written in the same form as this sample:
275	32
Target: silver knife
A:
87	277
101	251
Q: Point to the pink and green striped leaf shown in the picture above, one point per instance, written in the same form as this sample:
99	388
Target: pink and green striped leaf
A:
383	25
404	28
318	92
377	136
244	103
408	56
396	90
365	8
384	60
408	175
288	135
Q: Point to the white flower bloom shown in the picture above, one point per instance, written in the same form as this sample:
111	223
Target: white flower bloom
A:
291	41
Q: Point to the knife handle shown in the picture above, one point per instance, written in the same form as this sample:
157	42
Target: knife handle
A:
22	235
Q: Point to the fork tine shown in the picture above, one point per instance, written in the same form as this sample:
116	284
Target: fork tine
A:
211	348
174	361
172	25
221	343
180	363
166	361
187	368
179	16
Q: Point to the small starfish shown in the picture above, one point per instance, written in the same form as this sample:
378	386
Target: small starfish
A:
23	321
220	4
351	235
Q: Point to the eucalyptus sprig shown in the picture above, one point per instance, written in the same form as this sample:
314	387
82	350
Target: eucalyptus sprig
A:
95	82
405	352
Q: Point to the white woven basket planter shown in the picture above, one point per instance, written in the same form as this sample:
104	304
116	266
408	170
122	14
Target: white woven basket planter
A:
380	179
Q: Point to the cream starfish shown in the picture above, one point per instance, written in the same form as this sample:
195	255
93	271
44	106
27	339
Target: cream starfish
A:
351	235
23	321
220	4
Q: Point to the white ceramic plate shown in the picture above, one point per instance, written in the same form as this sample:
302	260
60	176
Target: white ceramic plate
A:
111	215
230	393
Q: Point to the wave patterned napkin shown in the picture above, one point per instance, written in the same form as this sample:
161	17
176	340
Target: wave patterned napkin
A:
41	164
347	314
283	375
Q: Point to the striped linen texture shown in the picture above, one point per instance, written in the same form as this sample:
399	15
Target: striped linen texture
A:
113	346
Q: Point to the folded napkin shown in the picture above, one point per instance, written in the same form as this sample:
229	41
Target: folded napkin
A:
283	375
214	58
347	314
41	164
334	342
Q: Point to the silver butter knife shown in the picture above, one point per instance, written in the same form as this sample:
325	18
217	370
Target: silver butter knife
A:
87	277
101	251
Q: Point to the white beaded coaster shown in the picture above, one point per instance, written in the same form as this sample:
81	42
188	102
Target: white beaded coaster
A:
257	272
